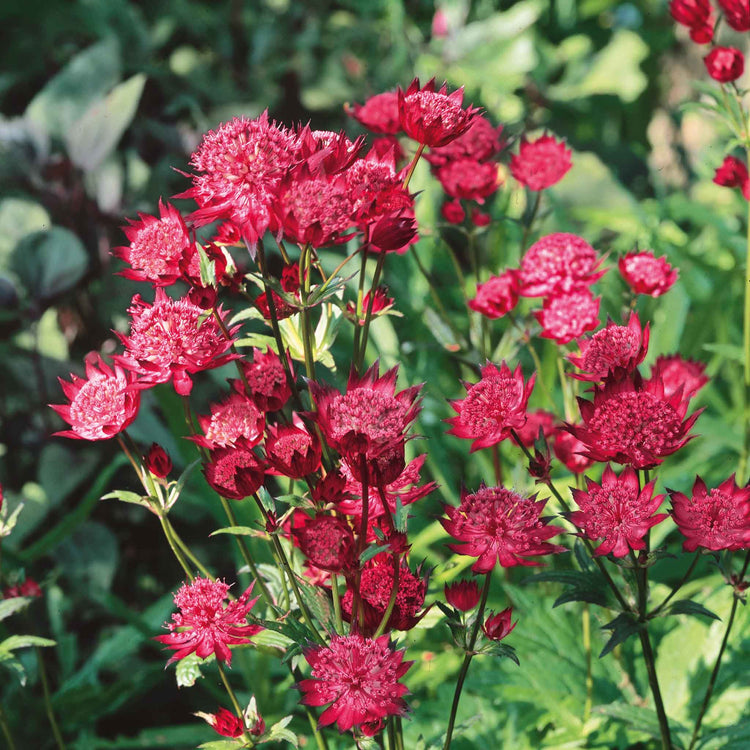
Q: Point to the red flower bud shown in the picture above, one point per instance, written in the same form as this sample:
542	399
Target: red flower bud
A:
463	595
496	627
725	64
158	461
453	212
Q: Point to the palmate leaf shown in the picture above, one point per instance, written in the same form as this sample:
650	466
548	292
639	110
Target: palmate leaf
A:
643	720
623	627
688	607
583	586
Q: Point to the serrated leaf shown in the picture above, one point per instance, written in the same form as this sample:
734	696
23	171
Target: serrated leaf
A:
688	607
401	516
296	501
11	643
503	651
188	670
13	605
623	627
278	733
271	639
317	602
583	586
97	132
369	552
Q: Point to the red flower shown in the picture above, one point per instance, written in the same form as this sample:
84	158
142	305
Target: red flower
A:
157	247
292	450
393	233
379	113
29	588
493	407
235	418
467	179
536	420
381	304
568	449
499	525
736	13
453	212
612	352
376	584
565	317
496	627
433	118
542	163
266	380
479	143
102	405
359	678
632	422
172	339
558	263
697	15
205	625
234	472
157	461
714	519
290	283
617	511
497	296
733	173
725	64
224	722
479	219
240	165
646	274
327	542
678	374
463	595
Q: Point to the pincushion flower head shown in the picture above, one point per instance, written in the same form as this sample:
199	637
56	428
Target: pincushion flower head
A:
367	421
292	450
736	13
617	511
724	64
379	113
173	339
102	404
677	374
468	179
234	472
633	422
237	416
542	163
360	680
733	173
158	247
239	166
266	380
207	625
697	15
713	519
480	143
433	118
558	263
497	296
327	542
497	525
646	274
568	315
613	351
493	407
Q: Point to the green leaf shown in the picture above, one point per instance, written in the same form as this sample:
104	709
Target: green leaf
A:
688	607
220	745
369	552
11	643
441	331
19	217
623	627
502	651
13	605
127	497
236	531
50	262
13	665
188	670
583	586
643	719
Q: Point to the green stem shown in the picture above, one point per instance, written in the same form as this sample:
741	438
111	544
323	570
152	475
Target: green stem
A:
586	627
391	599
175	550
681	583
530	222
235	703
413	165
307	334
368	312
467	661
48	699
336	604
746	349
6	730
204	571
360	300
717	665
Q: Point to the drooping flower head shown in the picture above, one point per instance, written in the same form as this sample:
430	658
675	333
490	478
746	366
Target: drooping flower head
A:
733	173
713	519
567	316
632	422
205	625
678	374
736	13
101	405
326	541
234	472
558	263
616	511
542	163
359	678
433	118
224	722
493	407
724	64
240	165
235	417
498	626
697	15
292	450
497	525
173	339
497	296
480	143
379	113
266	380
646	274
613	351
158	246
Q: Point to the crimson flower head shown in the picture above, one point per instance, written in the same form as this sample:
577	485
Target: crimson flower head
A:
677	373
381	304
697	15
463	595
157	461
713	519
613	351
617	511
173	339
632	422
569	450
497	296
157	247
493	407
359	678
370	420
235	418
497	525
29	588
733	173
497	626
326	541
469	179
535	421
433	118
224	722
379	113
266	380
725	64
558	263
292	450
479	144
101	405
205	625
568	315
453	212
542	163
646	274
736	13
239	167
235	472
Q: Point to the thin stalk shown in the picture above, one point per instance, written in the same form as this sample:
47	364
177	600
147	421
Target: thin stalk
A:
175	550
413	165
497	465
391	731
391	599
717	665
360	299
746	349
235	703
307	334
368	312
204	571
48	700
530	222
467	661
586	634
358	610
399	735
6	730
681	583
336	604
